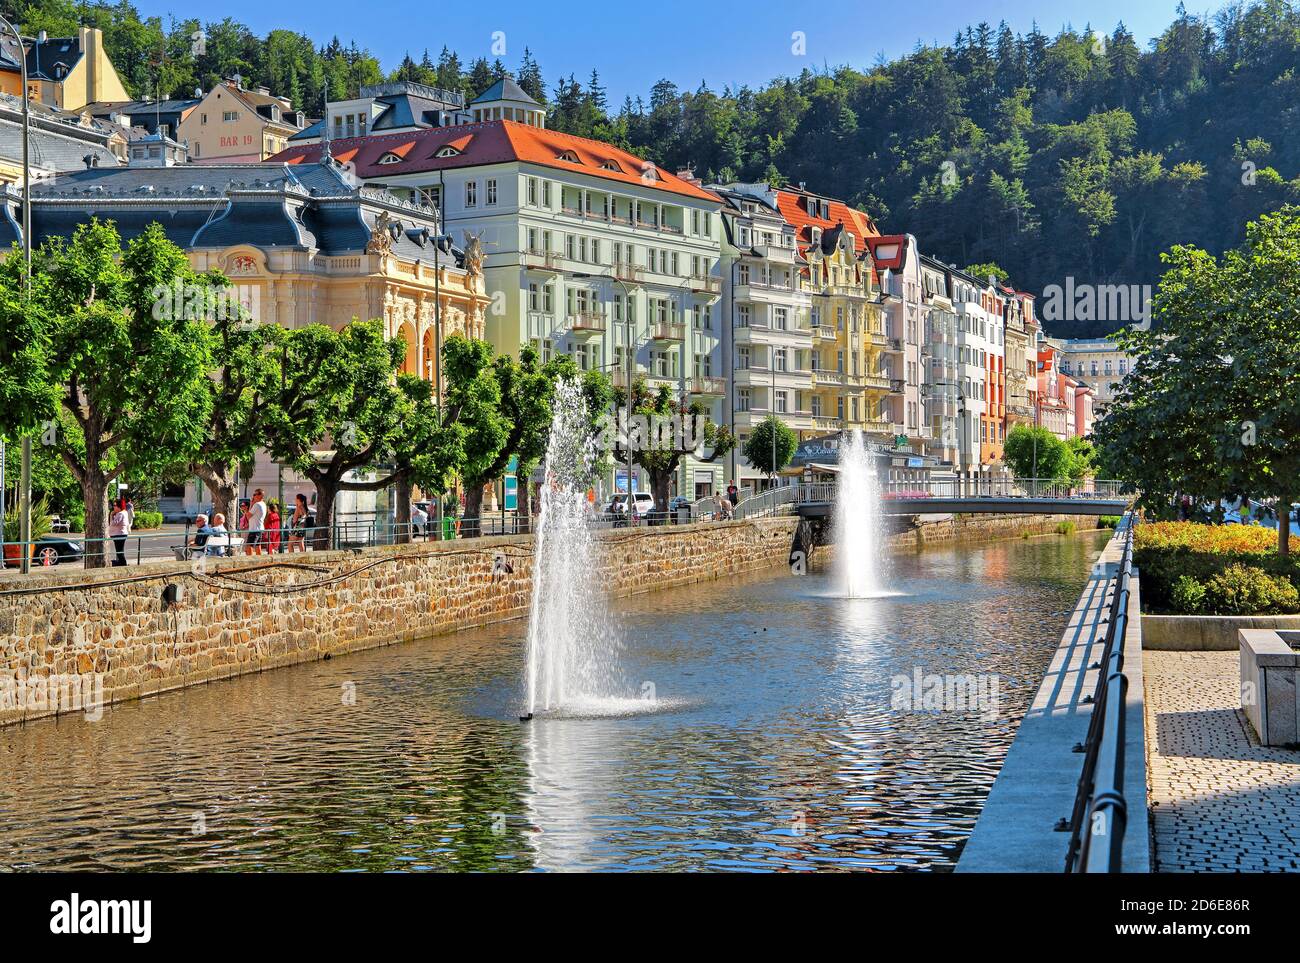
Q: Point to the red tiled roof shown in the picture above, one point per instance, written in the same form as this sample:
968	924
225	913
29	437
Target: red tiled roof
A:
794	208
493	142
888	250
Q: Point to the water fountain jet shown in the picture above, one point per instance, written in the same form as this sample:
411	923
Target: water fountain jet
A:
857	521
573	649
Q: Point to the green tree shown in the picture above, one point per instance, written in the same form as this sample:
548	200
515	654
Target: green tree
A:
770	446
241	387
1034	452
1212	406
339	411
130	377
660	430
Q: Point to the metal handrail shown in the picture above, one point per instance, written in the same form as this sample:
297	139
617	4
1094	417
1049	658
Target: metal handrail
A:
1099	803
984	487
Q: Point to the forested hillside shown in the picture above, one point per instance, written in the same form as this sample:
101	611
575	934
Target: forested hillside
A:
1082	154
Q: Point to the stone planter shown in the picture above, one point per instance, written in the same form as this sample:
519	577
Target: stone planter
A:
1270	665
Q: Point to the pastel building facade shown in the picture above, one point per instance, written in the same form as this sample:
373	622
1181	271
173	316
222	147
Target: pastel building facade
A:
589	250
766	305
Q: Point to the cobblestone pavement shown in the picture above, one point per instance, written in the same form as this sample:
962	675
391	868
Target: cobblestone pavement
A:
1220	802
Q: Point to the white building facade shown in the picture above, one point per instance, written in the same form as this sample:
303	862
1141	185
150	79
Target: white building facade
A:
767	305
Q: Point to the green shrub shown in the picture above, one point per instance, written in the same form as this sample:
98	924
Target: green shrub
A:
76	518
1247	590
1065	528
148	520
1108	521
1164	552
1187	597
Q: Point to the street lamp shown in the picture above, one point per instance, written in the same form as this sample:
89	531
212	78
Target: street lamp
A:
25	477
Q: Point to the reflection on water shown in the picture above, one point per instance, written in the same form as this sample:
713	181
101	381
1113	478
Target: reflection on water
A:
770	743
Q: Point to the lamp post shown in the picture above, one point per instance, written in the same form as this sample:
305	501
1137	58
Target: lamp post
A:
25	475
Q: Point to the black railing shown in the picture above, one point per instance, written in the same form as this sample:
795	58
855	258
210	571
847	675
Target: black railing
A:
1100	816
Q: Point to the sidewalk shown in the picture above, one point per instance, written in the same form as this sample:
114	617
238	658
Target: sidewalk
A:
1220	801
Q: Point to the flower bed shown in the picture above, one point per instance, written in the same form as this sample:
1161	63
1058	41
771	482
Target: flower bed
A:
1192	569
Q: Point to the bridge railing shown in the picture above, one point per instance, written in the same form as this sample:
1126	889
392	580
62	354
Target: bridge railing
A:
988	487
769	502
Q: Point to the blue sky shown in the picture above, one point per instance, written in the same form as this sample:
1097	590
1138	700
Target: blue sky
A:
633	44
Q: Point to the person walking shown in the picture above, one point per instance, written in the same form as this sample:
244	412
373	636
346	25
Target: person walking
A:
271	539
256	523
298	524
119	527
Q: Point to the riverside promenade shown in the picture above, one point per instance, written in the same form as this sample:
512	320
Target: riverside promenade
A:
1220	801
1016	831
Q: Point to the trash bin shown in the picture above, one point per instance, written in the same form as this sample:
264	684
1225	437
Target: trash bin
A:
448	527
684	515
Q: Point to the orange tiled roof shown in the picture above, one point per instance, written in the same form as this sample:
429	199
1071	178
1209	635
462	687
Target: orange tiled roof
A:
793	207
494	142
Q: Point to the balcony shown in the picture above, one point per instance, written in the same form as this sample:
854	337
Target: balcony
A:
774	252
895	346
827	379
875	338
872	382
823	423
630	273
897	386
670	331
706	386
823	332
760	332
542	261
587	323
706	285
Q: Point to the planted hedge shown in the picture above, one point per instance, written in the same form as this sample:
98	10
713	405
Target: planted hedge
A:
1192	569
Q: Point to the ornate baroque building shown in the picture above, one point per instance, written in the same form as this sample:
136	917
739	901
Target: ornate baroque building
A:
302	245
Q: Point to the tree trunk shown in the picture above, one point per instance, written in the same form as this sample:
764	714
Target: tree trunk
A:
525	506
402	510
1284	526
471	524
660	483
94	494
223	485
326	492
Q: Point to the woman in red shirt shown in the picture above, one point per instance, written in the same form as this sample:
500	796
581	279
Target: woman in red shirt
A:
271	537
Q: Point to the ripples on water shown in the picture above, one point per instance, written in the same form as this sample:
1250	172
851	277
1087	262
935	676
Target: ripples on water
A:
773	746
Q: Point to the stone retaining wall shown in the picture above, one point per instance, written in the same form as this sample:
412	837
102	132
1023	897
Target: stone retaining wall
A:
243	615
984	528
1206	633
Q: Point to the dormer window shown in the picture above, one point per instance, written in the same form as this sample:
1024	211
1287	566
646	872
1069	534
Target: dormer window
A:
391	158
447	151
612	165
569	156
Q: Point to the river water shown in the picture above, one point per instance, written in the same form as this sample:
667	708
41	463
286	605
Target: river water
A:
775	740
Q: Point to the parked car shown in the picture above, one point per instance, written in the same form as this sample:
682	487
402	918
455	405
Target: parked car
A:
55	549
643	503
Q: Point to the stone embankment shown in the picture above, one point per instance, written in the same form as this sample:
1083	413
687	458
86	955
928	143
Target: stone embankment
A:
112	627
